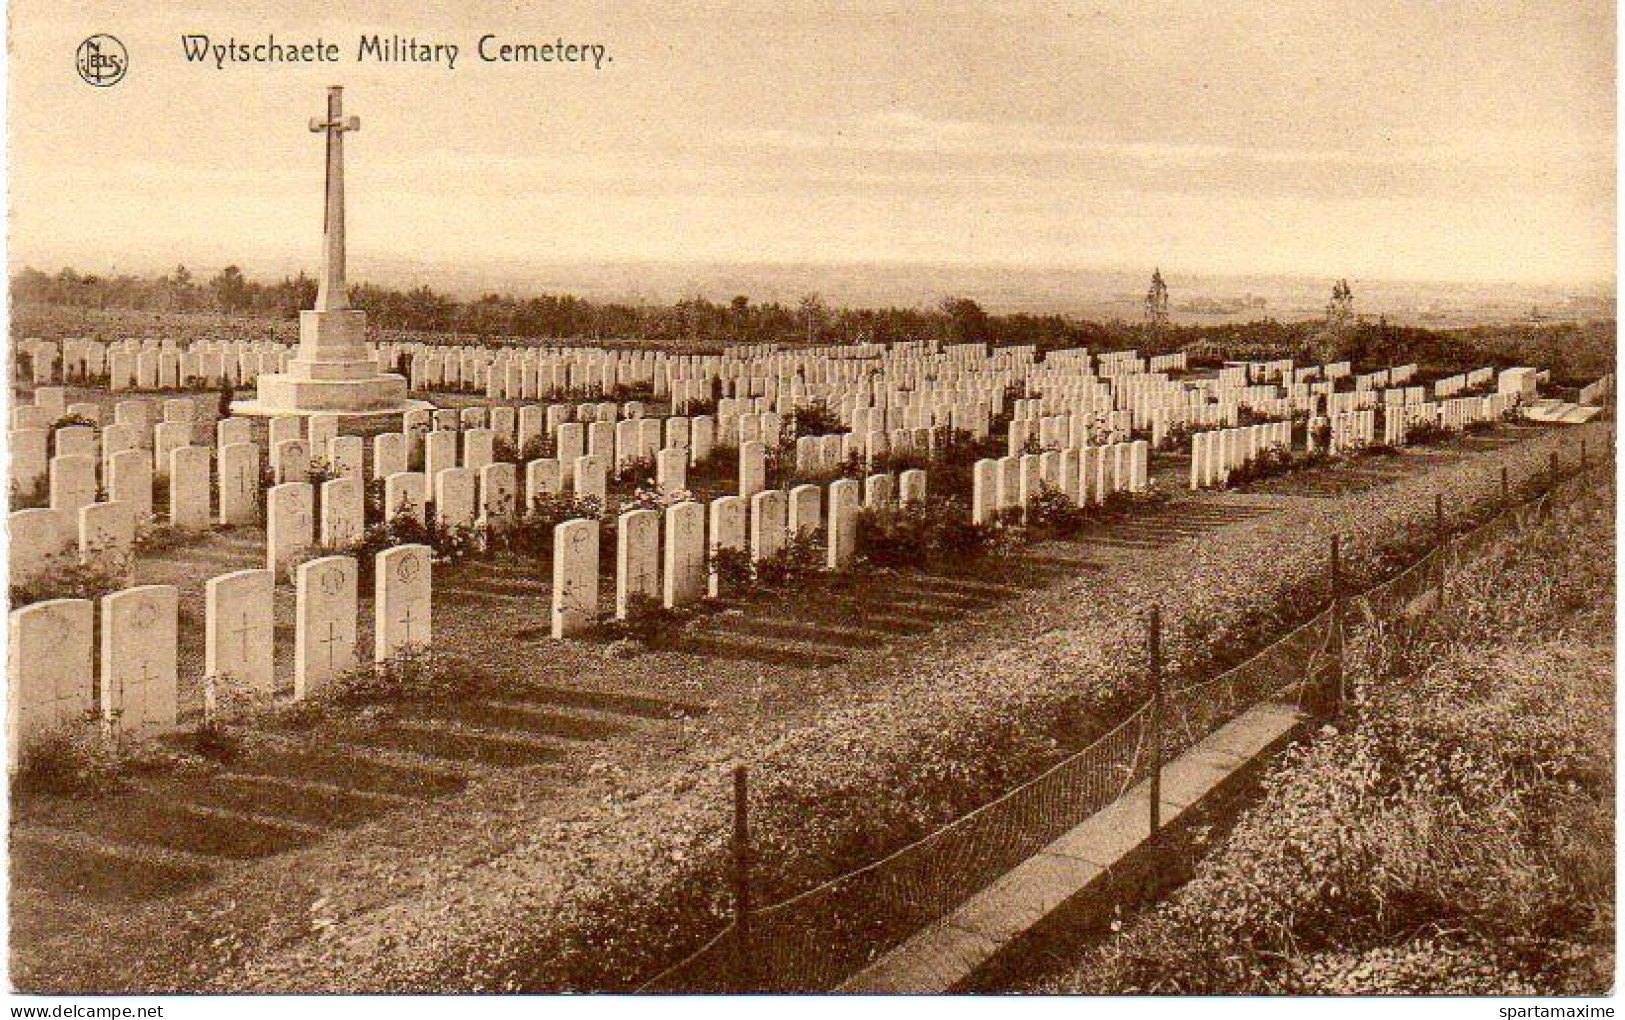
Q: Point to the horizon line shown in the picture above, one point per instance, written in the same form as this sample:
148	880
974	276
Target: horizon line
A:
259	264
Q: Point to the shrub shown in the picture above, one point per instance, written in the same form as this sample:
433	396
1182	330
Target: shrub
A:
924	531
801	558
320	471
653	497
1052	513
733	570
449	544
75	759
637	467
532	534
542	447
1426	433
1273	460
814	419
157	536
1320	434
68	420
412	674
648	622
65	576
1177	437
215	740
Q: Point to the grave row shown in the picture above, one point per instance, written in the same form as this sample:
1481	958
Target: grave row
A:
1085	475
69	659
670	556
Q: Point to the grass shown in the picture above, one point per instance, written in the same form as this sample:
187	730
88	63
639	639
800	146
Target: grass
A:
1455	836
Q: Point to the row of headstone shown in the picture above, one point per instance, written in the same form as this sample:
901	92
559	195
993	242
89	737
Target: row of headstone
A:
669	556
1216	454
1086	476
52	662
142	363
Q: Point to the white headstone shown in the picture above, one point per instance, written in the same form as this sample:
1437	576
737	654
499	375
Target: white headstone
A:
406	491
73	485
389	454
843	523
49	669
239	484
671	469
575	576
138	655
592	478
343	512
290	523
637	558
239	635
752	468
129	481
345	455
806	510
107	536
912	486
767	524
38	539
325	623
498	496
685	579
454	497
402	600
189	487
727	532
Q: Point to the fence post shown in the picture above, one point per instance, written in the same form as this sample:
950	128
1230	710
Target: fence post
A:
1506	486
1554	469
1582	455
743	978
1443	543
1336	699
1154	656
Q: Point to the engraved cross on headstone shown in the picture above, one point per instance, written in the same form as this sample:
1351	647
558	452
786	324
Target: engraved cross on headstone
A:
331	640
243	632
330	290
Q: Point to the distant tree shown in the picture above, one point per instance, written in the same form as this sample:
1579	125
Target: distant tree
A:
967	322
1340	309
814	314
1156	301
231	291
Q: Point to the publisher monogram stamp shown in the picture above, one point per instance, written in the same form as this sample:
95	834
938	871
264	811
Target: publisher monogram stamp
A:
102	61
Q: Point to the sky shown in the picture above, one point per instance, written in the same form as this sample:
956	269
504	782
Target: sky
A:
1436	141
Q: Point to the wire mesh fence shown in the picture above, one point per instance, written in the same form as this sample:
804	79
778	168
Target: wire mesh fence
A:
818	938
1281	671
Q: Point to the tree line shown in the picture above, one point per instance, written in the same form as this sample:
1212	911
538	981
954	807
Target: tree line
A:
1574	351
691	322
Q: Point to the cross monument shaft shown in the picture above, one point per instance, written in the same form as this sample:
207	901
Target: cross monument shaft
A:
331	293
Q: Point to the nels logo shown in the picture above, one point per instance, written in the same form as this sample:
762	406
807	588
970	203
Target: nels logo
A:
102	61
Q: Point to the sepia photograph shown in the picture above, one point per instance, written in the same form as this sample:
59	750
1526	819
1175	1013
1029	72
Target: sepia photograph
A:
1022	503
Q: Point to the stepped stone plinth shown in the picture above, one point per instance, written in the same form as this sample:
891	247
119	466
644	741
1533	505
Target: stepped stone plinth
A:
333	373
